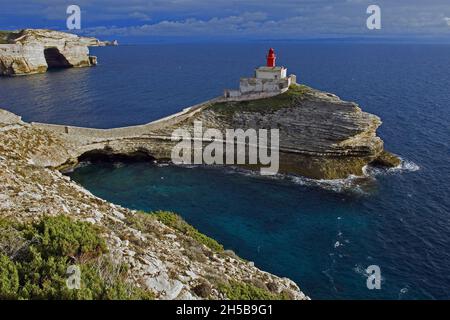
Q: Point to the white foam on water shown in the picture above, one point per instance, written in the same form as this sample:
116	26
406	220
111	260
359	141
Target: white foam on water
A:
362	271
358	185
352	183
404	166
161	164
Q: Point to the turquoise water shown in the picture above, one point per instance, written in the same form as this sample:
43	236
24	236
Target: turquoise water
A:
321	234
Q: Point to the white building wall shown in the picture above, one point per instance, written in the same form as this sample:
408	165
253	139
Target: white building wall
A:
270	73
267	82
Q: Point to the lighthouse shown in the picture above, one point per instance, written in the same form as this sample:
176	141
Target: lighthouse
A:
269	80
271	57
270	70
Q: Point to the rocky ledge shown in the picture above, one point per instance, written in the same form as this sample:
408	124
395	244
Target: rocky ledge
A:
321	136
162	254
31	51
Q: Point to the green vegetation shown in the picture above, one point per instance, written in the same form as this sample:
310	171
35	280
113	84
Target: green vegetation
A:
175	221
271	104
5	36
243	291
144	222
34	261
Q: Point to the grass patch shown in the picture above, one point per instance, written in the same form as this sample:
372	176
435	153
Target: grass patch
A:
175	221
235	290
271	104
34	261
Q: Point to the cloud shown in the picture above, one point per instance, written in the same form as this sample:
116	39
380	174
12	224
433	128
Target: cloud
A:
254	24
233	18
447	19
139	16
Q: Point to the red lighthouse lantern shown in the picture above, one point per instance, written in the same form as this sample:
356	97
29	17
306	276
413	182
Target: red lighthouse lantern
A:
271	58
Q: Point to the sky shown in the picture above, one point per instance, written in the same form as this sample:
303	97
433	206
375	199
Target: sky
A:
217	20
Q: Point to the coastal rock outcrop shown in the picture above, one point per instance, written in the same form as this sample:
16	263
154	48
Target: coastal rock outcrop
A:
321	136
31	51
173	264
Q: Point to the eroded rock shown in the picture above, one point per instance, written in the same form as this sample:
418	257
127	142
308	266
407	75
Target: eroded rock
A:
31	51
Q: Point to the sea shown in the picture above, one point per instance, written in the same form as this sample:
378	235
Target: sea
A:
326	235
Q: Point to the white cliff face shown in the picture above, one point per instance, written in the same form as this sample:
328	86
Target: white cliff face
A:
20	59
34	51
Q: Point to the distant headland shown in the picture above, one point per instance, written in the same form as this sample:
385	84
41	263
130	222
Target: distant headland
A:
32	51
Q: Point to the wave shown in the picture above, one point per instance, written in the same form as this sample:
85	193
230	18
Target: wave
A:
359	185
404	166
353	183
356	185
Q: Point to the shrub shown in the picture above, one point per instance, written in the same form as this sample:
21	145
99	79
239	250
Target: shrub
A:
61	236
11	239
53	244
175	221
203	289
235	290
9	278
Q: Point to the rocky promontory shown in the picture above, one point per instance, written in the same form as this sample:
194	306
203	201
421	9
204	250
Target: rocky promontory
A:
321	136
31	51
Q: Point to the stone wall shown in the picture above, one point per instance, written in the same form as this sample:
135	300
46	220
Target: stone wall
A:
126	132
272	73
256	88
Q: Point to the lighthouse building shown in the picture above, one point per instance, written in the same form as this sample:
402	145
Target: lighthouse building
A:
269	80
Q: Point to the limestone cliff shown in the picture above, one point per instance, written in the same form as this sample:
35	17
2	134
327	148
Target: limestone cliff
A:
321	136
32	51
171	263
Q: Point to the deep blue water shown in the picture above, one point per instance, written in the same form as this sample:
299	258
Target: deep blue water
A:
321	236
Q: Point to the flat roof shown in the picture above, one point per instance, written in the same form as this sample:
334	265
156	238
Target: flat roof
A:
265	68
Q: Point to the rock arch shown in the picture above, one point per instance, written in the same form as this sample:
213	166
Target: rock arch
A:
107	154
55	59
